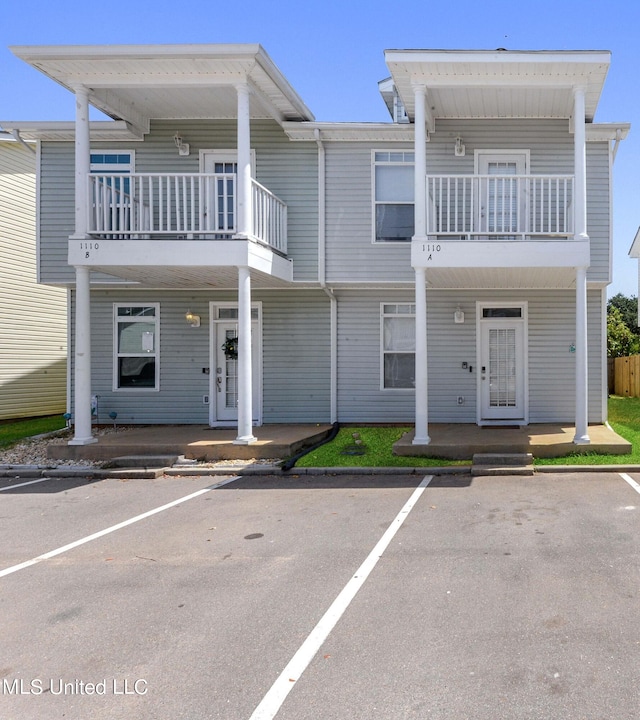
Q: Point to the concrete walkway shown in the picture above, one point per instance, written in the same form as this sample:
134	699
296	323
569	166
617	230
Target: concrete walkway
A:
461	442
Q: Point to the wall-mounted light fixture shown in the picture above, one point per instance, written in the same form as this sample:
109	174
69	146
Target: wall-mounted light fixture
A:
459	149
458	316
183	147
192	319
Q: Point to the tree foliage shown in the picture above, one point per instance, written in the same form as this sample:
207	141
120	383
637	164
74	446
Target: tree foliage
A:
623	333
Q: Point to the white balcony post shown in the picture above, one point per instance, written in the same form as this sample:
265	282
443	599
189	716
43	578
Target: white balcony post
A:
243	228
582	385
421	435
82	365
82	163
580	230
580	165
420	171
245	390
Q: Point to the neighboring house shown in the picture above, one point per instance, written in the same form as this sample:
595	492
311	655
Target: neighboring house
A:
634	252
33	317
448	266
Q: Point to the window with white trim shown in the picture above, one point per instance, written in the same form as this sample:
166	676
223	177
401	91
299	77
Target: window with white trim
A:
135	343
393	195
398	341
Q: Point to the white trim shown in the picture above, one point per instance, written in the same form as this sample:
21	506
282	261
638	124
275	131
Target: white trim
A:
156	344
489	151
524	320
214	321
230	155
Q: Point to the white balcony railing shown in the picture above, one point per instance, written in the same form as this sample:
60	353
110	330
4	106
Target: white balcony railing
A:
148	205
498	206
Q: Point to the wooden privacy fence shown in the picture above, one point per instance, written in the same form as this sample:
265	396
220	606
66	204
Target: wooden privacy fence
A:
626	376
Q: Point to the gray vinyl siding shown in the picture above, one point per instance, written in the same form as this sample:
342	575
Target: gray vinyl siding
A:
551	364
289	170
33	318
351	255
296	357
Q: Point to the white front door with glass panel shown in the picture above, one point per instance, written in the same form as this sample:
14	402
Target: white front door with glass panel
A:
220	190
502	364
224	365
502	192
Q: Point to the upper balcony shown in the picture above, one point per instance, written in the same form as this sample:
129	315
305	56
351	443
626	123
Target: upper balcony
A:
181	207
500	221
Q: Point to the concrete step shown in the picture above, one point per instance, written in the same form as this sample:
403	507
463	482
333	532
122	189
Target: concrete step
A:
142	461
502	464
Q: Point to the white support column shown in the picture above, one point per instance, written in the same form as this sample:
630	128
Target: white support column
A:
245	390
421	435
420	171
82	163
582	385
580	231
580	165
82	364
244	162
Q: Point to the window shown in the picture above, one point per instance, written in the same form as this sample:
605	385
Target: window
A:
393	196
136	346
113	163
398	335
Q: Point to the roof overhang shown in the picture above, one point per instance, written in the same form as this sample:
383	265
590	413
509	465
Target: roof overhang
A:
139	83
498	83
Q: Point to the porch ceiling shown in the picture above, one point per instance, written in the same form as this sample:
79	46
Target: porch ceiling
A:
137	83
543	278
500	83
181	278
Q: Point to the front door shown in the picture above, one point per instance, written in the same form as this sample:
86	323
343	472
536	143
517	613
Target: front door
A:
224	366
502	364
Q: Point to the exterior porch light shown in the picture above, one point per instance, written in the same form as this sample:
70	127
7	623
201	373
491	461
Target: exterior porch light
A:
459	149
183	148
458	316
192	319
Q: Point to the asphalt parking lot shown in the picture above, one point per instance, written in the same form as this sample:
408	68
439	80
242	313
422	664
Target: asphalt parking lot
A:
359	597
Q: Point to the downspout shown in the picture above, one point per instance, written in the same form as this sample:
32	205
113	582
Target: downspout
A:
616	145
322	273
18	138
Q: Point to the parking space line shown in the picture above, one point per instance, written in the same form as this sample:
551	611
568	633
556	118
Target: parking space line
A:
113	528
31	482
631	481
275	697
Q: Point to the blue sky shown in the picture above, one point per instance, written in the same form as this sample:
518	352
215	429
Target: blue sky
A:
332	54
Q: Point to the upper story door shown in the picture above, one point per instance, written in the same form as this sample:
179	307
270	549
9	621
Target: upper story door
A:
502	191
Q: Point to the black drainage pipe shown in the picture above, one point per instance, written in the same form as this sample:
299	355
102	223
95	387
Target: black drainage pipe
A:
288	464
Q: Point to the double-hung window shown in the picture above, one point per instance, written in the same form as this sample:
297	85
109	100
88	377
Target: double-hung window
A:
112	200
135	343
398	336
393	195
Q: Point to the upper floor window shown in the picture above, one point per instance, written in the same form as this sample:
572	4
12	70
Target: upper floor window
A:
393	183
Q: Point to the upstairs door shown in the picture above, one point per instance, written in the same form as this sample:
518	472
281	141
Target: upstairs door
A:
219	191
502	193
502	364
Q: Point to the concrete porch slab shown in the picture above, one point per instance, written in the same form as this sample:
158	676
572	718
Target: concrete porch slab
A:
195	442
461	442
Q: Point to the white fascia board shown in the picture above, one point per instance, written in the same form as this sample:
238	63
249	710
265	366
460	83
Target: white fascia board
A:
64	130
350	132
498	56
598	132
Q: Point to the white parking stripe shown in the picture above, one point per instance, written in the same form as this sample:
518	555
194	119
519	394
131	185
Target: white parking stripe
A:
272	701
113	528
31	482
631	481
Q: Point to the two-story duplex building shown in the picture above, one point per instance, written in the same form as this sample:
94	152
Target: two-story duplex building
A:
232	260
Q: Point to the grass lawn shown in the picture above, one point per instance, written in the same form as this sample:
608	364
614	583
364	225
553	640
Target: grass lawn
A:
367	447
13	432
374	449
